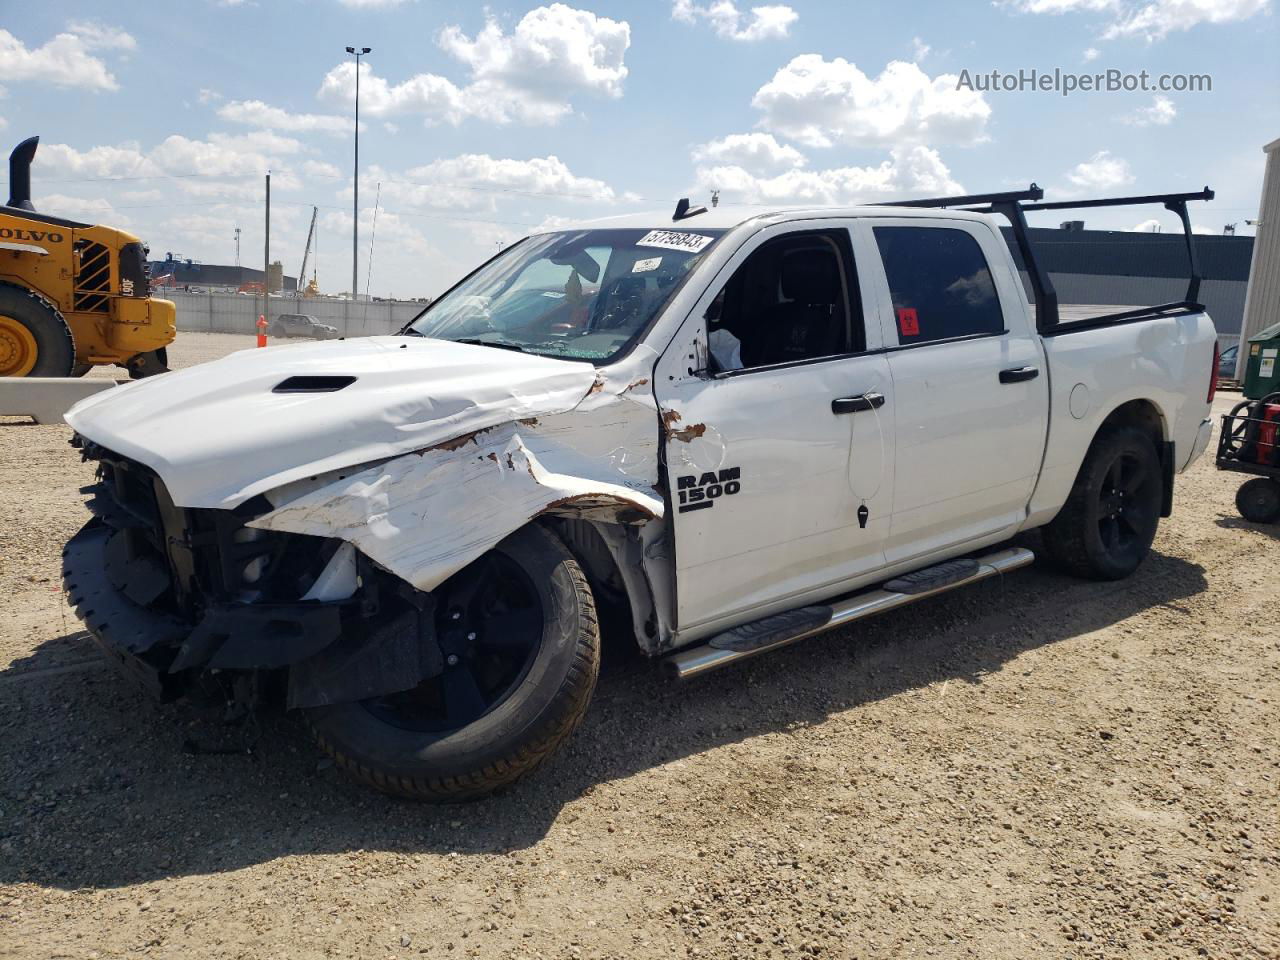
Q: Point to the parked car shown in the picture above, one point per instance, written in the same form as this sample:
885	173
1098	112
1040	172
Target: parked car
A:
1227	363
736	430
301	325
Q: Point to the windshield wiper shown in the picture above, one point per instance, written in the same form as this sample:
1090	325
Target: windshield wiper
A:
502	344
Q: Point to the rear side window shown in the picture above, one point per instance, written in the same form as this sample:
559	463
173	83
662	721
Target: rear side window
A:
940	284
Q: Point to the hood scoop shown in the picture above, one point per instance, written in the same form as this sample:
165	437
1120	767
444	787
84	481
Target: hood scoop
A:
313	384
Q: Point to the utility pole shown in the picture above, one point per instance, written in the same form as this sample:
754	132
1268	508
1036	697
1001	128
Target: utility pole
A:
355	181
266	259
237	246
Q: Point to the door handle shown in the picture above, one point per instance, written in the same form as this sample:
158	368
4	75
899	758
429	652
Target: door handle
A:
1018	374
868	401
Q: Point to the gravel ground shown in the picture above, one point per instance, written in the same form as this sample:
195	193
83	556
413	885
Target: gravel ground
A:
1037	767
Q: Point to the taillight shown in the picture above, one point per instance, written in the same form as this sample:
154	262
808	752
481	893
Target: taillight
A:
1213	373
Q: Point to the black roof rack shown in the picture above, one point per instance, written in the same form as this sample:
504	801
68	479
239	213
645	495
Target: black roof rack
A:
1013	205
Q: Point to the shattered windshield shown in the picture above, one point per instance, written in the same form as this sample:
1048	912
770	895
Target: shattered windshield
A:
576	295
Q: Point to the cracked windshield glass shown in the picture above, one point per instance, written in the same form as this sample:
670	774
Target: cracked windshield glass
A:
576	295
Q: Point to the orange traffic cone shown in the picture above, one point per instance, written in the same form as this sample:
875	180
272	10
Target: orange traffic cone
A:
262	330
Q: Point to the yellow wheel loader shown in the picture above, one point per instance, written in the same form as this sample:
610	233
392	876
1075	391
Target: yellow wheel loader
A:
73	295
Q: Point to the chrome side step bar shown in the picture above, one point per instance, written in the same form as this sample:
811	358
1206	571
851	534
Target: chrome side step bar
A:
786	628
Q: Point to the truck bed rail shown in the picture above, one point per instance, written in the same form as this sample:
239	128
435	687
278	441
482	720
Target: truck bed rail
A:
1013	205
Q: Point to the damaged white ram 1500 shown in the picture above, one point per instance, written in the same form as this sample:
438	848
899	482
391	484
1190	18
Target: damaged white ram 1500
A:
737	431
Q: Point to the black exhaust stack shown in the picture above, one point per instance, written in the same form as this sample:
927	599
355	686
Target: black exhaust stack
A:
20	173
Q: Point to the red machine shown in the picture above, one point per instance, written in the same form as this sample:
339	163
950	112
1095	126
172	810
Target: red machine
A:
1250	443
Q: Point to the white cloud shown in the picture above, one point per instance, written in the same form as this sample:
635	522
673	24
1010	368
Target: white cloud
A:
541	175
242	158
207	95
1161	113
125	160
97	36
1153	20
390	127
475	182
919	49
1156	20
820	102
66	60
773	20
909	171
87	210
320	168
1060	6
528	75
255	113
1155	226
1102	171
757	152
3	123
1091	54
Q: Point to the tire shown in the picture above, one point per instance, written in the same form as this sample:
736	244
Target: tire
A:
80	369
1258	500
277	331
1105	529
35	340
407	744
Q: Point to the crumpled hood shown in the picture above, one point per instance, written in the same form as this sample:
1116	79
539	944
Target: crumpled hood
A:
217	434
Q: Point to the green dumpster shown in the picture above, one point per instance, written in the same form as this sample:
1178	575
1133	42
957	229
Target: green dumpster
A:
1262	365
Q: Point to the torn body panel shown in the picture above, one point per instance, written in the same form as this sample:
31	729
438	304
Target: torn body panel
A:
425	515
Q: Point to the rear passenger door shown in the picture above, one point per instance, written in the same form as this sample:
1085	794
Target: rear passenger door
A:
970	385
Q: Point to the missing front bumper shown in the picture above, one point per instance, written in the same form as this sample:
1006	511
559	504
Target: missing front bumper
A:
334	652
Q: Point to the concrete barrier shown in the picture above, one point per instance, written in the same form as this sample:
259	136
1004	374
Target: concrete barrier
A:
46	399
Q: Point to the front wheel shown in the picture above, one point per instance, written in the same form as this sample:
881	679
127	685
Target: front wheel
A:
519	645
1105	529
35	340
1258	500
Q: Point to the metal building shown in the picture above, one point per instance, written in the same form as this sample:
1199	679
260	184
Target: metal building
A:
1124	268
1262	302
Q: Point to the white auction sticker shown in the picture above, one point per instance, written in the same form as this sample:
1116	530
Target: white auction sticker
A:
674	240
644	266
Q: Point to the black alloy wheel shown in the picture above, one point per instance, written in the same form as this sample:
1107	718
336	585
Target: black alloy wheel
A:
1105	529
489	625
515	657
1125	514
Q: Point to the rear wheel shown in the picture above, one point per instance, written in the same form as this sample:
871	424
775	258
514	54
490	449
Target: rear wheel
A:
1105	529
1258	500
35	340
276	330
520	651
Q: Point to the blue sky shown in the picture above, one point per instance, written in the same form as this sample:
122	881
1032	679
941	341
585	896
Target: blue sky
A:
480	122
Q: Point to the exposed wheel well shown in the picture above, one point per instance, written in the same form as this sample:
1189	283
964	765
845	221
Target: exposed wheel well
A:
1145	416
1142	414
610	558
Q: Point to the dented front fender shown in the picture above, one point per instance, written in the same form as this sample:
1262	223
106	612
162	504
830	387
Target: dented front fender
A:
427	514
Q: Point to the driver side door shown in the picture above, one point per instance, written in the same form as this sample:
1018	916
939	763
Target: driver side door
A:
780	469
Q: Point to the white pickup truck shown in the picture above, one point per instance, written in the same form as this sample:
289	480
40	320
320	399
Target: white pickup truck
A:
737	430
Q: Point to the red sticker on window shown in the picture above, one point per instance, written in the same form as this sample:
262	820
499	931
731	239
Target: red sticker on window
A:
908	323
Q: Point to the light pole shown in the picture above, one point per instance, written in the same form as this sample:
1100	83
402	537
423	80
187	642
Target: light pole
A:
355	180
